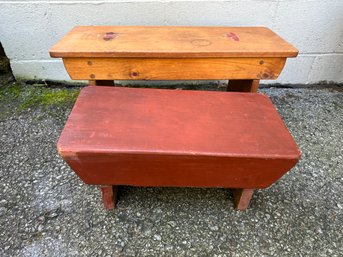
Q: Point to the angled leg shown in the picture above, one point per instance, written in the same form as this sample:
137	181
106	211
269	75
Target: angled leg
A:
242	198
243	85
101	82
109	196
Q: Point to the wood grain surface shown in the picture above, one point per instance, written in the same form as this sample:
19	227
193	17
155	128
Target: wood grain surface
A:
173	68
171	42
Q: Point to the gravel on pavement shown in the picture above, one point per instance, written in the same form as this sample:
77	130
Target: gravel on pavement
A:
46	210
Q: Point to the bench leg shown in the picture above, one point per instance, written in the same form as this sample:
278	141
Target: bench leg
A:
101	82
242	197
109	196
243	85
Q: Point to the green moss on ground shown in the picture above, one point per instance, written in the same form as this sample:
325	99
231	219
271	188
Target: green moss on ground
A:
39	95
19	97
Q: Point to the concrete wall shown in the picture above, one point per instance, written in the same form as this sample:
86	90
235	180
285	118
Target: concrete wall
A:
315	27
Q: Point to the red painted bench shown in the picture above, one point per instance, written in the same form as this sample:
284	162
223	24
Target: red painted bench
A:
153	137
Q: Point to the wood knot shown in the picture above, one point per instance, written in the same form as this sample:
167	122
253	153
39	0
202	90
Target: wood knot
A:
134	74
266	75
109	36
233	36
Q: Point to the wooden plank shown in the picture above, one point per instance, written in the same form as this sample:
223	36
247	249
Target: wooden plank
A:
176	170
109	196
175	42
156	137
247	85
173	68
242	198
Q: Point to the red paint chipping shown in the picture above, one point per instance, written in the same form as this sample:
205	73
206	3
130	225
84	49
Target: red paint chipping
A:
109	36
233	36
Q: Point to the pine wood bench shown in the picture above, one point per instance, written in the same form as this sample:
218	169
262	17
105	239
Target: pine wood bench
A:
242	55
121	136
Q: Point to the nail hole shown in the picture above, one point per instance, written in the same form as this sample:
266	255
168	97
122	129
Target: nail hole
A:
92	76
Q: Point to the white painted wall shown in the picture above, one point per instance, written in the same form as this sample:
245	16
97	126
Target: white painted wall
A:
29	28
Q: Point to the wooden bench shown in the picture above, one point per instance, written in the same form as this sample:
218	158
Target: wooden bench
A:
155	137
144	137
242	55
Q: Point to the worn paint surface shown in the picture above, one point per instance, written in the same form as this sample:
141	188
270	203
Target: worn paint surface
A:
145	137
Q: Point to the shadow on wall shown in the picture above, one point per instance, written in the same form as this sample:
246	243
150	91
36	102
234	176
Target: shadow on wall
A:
6	75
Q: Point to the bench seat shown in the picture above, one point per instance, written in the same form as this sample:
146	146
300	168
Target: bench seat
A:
242	55
158	137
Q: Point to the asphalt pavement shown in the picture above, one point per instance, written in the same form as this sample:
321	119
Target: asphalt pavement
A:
46	210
